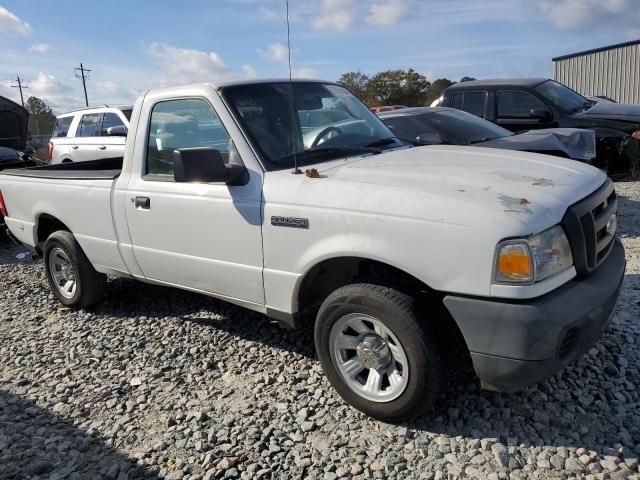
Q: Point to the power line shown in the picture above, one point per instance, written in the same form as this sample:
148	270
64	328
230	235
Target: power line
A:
84	81
21	87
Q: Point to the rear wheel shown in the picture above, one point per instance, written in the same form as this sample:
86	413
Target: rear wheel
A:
375	352
71	276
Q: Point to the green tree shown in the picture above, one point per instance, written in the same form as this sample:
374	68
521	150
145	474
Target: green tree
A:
437	87
398	87
41	118
415	88
356	83
466	79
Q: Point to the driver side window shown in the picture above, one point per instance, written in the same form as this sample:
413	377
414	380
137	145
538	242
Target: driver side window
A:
517	104
184	123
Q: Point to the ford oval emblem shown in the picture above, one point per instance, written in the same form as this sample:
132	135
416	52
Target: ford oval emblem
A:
612	224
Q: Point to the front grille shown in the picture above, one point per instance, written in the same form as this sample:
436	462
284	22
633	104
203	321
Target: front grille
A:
586	226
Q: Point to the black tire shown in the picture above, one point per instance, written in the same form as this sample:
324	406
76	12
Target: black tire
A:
90	284
398	313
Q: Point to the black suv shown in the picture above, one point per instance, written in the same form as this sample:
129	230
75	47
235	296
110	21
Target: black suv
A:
530	103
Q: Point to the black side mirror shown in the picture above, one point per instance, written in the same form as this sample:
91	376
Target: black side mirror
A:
431	138
543	114
117	131
204	165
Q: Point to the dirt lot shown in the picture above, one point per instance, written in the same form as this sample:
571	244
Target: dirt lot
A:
158	383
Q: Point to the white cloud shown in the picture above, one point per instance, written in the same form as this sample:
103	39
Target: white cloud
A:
334	15
248	71
269	14
109	91
276	52
10	22
54	92
575	14
39	48
305	72
184	65
386	14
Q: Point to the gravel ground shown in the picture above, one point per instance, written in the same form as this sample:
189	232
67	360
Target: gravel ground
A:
158	383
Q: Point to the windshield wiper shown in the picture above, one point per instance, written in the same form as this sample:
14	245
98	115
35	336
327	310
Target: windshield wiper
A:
327	152
382	142
480	140
584	106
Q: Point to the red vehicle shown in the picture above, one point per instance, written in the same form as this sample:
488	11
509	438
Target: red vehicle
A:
386	108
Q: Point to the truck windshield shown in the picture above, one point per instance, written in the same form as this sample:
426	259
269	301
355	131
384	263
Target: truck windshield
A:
315	121
562	96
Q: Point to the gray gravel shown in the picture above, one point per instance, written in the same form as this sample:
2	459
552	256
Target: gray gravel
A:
161	383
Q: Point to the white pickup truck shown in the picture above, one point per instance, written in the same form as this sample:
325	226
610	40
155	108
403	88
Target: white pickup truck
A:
294	200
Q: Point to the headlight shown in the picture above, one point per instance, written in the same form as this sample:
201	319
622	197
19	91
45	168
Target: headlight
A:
532	259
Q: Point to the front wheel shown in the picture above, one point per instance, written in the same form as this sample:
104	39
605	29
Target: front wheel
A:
376	353
71	276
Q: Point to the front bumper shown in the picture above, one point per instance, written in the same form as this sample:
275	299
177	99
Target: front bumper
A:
514	344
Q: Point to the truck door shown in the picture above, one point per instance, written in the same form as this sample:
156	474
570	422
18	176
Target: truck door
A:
202	236
515	111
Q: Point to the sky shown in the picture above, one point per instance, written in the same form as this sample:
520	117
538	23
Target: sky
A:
132	46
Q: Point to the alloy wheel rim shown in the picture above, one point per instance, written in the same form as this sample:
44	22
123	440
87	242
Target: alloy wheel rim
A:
369	357
62	272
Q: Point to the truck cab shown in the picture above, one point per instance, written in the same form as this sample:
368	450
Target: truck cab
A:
294	200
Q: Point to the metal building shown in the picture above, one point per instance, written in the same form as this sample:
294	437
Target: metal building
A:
613	71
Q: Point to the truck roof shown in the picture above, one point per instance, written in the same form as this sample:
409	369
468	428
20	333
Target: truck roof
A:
498	82
94	107
257	81
254	81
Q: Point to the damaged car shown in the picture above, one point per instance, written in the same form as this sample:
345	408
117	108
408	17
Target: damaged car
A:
14	152
441	125
539	103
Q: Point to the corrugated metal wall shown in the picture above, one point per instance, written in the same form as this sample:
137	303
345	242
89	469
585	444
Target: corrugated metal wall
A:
614	73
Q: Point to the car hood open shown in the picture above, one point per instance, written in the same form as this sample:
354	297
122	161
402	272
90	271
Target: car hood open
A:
612	111
13	125
576	143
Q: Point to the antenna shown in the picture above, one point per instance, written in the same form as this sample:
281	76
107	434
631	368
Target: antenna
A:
296	170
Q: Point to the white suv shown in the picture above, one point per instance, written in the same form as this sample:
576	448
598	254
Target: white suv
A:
89	134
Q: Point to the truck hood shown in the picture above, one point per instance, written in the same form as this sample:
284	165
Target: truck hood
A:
13	125
576	143
612	111
463	185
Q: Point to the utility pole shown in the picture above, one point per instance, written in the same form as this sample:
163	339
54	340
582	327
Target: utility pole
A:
21	87
84	83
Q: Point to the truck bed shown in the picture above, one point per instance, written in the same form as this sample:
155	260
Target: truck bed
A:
102	169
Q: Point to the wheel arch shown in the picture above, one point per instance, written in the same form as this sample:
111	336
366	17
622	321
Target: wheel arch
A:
327	275
46	224
330	274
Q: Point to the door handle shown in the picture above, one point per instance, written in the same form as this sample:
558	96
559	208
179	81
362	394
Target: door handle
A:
102	147
143	203
75	147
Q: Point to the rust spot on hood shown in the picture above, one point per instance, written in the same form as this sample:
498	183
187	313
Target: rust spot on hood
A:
514	204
